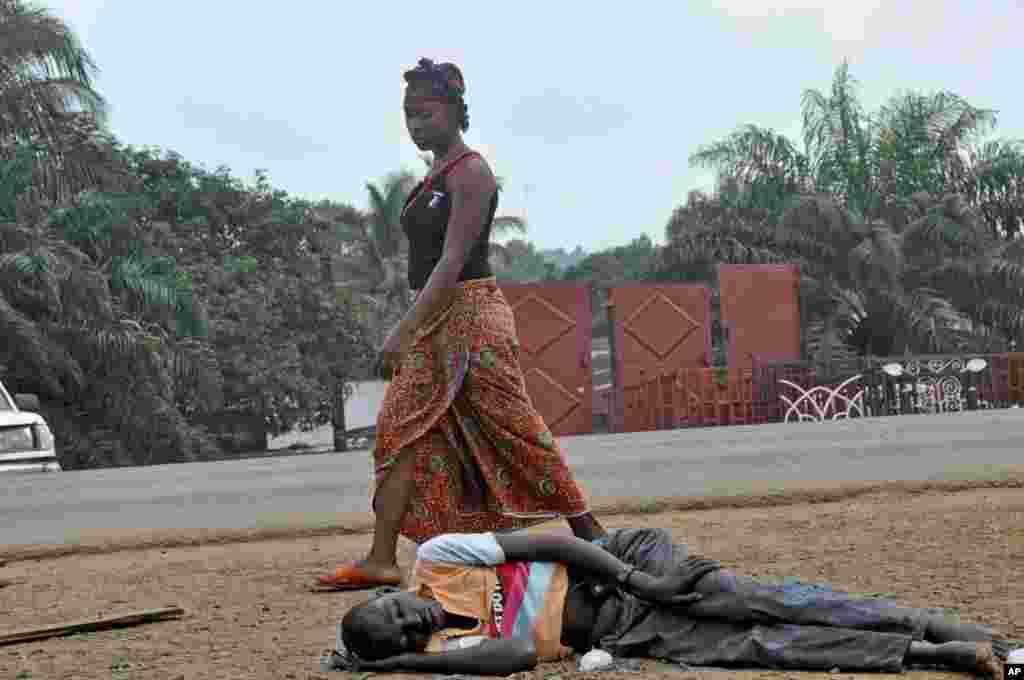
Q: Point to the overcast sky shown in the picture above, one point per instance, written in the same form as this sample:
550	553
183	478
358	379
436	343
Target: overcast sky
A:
588	113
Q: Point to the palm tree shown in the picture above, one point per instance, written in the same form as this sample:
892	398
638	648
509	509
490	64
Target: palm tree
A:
82	305
372	251
867	163
991	180
87	273
501	226
364	257
879	211
45	73
369	251
52	144
48	104
77	335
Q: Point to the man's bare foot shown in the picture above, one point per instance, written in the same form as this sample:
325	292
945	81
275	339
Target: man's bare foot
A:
986	663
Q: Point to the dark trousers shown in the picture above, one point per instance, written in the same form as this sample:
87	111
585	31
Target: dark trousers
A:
742	622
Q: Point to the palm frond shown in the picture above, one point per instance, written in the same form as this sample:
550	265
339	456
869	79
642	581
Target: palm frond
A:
878	258
787	243
500	257
378	199
25	344
993	182
386	210
837	140
934	320
29	33
945	118
48	99
926	140
711	248
85	295
35	105
822	217
825	343
988	278
507	224
102	346
753	154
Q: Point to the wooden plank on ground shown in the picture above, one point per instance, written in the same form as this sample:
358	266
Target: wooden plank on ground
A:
104	623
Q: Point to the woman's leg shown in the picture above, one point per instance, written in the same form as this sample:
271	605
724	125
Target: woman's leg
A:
391	502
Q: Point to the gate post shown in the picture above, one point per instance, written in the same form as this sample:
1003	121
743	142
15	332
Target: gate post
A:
615	402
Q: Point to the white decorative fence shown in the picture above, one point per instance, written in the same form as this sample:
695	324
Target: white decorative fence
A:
821	403
911	386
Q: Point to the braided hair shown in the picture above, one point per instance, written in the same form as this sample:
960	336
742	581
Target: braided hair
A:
445	81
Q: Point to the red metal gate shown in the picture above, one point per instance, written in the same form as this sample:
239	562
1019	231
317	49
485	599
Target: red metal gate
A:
658	329
760	312
1015	377
553	322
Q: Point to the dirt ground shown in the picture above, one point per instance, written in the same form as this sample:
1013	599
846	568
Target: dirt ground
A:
249	613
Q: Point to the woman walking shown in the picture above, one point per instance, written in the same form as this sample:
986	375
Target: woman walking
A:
460	447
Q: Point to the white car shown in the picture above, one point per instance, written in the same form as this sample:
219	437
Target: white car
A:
26	442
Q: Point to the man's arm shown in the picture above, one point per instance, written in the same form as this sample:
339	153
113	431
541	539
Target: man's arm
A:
599	563
490	657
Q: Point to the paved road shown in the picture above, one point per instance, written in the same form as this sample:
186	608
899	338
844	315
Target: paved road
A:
260	492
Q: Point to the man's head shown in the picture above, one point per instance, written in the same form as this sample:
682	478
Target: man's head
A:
435	110
391	624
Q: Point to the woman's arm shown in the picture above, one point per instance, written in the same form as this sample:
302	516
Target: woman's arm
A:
490	657
673	588
472	185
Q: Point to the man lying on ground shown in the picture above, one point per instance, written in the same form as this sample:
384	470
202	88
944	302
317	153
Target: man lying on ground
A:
496	604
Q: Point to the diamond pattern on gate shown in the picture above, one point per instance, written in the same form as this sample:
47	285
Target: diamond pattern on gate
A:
652	325
549	396
540	323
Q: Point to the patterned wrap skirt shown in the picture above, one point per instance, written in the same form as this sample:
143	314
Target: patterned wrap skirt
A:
485	459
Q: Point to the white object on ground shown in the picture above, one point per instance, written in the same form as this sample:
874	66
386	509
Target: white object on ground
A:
1015	655
595	660
467	641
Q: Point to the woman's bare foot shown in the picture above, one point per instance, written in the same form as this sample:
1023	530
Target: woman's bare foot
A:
361	575
380	571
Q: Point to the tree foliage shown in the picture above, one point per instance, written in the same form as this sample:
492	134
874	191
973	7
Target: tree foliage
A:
522	262
196	297
899	219
280	334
